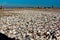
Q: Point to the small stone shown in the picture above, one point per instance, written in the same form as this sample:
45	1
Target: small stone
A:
2	31
14	32
10	31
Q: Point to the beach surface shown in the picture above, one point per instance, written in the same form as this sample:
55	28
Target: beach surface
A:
19	23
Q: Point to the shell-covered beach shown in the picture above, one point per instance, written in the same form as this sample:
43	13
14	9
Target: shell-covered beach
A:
29	24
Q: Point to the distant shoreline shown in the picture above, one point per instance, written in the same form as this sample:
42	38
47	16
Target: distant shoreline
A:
14	11
39	9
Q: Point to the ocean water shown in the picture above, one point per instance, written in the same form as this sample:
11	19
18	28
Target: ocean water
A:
30	3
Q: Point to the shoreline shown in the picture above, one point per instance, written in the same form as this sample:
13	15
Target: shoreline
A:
14	11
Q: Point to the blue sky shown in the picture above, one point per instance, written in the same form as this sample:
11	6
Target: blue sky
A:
34	3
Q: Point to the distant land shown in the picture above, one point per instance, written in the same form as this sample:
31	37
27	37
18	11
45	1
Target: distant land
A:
27	7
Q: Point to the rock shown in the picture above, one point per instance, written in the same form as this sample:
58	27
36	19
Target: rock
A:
25	25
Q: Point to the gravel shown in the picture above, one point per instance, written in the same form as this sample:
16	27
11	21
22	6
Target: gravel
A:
28	25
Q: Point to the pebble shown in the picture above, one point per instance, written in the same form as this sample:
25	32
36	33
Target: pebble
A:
28	24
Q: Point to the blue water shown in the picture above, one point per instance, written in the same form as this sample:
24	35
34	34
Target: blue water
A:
30	3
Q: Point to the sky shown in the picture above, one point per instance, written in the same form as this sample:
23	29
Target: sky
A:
30	3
